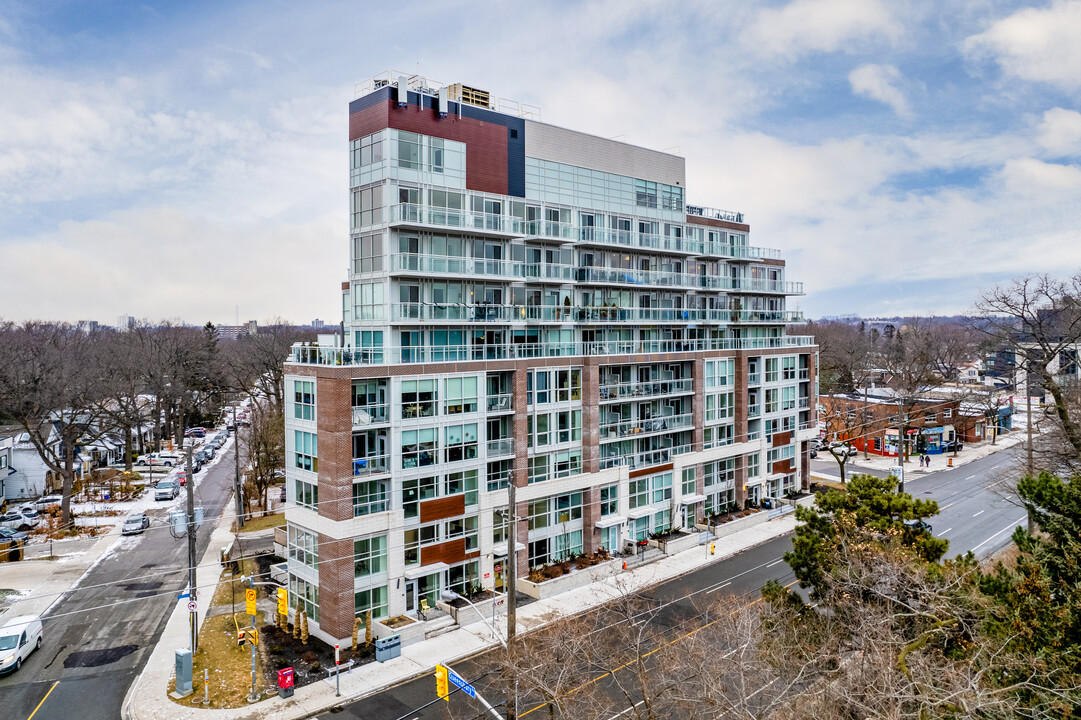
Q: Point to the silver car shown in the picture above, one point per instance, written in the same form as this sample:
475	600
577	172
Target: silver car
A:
135	524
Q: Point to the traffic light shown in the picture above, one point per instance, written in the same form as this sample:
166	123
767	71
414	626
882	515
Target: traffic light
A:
253	636
240	638
441	683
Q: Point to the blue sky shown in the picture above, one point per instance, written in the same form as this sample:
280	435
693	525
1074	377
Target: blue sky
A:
181	159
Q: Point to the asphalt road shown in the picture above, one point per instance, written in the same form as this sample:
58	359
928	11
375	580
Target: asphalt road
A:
977	512
94	648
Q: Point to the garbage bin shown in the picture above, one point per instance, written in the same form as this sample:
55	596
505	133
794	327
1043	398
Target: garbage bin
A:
388	648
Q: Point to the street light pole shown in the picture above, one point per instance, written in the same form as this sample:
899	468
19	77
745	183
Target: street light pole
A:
237	488
193	614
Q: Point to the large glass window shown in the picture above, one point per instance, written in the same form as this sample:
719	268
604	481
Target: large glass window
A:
306	493
369	497
418	398
304	399
370	556
461	442
374	599
461	395
609	500
303	546
307	593
418	447
414	490
305	450
408	150
463	482
367	208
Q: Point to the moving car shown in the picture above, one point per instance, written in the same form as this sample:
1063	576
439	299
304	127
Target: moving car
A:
166	490
18	638
11	544
135	524
917	525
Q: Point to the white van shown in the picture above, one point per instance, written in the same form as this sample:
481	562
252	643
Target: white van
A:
18	638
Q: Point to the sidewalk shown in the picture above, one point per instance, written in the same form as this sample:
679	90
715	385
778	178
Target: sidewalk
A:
147	699
858	464
43	582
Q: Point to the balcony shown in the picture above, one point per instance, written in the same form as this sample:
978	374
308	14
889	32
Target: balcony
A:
754	379
716	214
422	216
644	459
370	415
308	354
500	447
448	265
639	428
621	391
804	403
501	403
371	465
754	411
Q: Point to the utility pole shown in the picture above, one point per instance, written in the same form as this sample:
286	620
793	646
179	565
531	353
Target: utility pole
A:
511	699
237	489
194	613
901	443
1028	431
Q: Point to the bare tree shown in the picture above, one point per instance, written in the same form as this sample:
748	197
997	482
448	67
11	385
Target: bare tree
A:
256	361
909	363
51	387
266	450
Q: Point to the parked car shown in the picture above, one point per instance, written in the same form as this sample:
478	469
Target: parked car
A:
22	518
135	524
953	445
19	637
182	478
11	544
47	500
282	497
841	448
814	452
917	525
166	490
166	459
195	432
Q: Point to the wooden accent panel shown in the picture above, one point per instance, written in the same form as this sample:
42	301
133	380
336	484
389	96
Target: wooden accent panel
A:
712	222
650	471
440	508
782	466
782	439
450	552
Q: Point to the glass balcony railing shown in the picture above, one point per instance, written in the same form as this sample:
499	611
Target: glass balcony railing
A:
371	465
567	313
634	428
455	218
643	459
370	415
500	447
501	403
754	379
754	411
619	391
308	354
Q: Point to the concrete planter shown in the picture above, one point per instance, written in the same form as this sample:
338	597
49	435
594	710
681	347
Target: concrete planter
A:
576	579
734	526
469	614
676	545
411	633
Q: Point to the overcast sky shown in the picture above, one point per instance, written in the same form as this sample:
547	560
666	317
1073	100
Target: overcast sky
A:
180	159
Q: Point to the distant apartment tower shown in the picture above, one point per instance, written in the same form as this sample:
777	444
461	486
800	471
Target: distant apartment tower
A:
124	323
533	305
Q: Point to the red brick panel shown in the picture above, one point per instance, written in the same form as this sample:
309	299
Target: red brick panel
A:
336	608
334	421
781	439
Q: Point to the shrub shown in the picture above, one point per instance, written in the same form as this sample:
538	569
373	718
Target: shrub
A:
310	656
317	666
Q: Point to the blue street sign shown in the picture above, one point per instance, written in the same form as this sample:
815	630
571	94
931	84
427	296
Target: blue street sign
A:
458	682
182	595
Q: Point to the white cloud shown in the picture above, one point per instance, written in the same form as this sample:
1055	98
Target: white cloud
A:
879	82
1038	44
819	25
1060	132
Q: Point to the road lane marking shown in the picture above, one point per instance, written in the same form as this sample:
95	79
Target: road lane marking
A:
945	531
624	712
970	477
43	700
774	563
947	506
978	514
1008	527
718	587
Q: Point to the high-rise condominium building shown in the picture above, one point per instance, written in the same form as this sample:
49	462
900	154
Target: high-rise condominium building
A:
533	305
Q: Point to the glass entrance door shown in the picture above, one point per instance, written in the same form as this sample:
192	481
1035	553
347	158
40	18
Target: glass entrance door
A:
410	596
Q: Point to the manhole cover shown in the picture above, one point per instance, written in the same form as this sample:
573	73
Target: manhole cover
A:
97	658
135	587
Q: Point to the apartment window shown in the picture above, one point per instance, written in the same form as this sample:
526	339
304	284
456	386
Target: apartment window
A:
463	482
662	521
305	450
546	386
788	398
499	473
569	426
368	301
303	546
367	206
461	395
688	485
772	400
367	151
717	436
370	343
418	398
609	500
720	406
461	442
307	593
368	253
638	492
413	491
719	373
566	463
788	368
499	526
947	413
772	369
754	465
369	556
369	497
645	193
306	493
408	150
304	399
374	599
538	514
538	469
418	447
